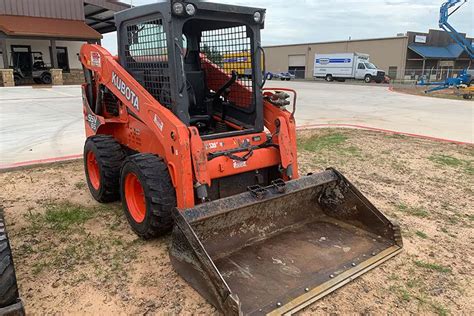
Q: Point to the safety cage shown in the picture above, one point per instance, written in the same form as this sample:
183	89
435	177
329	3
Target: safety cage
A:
205	66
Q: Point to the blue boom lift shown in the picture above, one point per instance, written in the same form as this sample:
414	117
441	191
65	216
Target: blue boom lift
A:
465	77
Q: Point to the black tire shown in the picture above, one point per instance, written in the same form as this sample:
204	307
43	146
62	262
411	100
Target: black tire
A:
46	78
368	79
37	80
288	79
17	79
378	81
282	79
159	193
329	78
8	285
109	156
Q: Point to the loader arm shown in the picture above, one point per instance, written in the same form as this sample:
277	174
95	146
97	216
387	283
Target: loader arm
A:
142	113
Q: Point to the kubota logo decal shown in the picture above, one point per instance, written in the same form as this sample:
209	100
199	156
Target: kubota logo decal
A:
126	91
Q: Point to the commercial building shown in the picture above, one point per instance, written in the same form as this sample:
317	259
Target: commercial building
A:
41	38
405	57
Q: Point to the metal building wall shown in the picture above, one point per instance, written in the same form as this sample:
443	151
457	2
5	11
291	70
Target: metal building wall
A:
384	52
59	9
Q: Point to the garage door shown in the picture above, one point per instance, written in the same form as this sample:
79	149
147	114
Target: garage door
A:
297	65
297	60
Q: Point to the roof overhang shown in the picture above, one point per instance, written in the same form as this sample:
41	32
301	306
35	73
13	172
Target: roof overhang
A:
25	26
99	14
452	51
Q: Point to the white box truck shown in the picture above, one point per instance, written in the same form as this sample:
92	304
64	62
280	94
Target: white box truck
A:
347	66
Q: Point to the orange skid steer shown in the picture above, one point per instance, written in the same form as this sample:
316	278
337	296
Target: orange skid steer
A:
192	146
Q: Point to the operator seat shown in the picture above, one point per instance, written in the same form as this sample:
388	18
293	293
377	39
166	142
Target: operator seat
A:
198	91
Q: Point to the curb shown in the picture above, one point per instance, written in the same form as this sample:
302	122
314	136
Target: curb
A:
39	162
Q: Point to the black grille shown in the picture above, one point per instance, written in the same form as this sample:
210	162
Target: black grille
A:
380	74
225	50
146	58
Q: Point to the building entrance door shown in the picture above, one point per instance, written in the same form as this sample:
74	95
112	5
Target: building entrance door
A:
21	59
446	69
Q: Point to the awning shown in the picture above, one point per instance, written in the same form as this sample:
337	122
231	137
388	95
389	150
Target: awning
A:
46	27
99	14
452	51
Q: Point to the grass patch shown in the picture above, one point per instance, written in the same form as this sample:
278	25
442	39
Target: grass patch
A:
60	217
401	292
332	143
446	160
414	211
432	266
440	309
421	234
38	267
396	136
453	162
64	215
77	250
317	143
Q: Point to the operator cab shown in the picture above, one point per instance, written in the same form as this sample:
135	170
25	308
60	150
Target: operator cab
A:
209	72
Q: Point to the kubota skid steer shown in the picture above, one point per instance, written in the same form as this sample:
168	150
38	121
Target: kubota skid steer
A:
183	131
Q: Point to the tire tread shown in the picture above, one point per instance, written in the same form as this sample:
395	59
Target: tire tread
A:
8	284
111	156
163	194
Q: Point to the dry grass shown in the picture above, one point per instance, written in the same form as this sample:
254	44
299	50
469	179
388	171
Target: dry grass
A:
74	256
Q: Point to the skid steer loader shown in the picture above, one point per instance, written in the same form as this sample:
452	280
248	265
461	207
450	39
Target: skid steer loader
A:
191	144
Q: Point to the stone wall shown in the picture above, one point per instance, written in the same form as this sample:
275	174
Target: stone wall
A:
57	75
75	76
6	78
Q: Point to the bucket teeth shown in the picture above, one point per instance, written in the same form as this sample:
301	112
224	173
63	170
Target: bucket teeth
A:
277	249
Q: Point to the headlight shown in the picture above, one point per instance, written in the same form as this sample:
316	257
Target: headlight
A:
178	8
190	9
257	17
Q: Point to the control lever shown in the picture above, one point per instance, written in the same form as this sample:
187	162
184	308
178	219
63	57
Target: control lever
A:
224	89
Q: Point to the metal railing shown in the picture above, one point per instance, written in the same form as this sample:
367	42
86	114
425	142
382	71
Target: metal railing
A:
431	75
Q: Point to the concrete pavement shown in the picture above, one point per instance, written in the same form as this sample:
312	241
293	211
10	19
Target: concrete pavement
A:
46	123
376	106
40	123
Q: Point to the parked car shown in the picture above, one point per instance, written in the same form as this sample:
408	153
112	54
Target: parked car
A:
286	76
282	75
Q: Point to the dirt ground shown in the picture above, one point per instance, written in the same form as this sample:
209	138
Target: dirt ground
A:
452	94
74	256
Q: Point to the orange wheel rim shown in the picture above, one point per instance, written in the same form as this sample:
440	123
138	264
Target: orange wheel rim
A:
135	197
93	170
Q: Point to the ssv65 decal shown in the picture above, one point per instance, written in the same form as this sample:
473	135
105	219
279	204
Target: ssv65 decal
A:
126	91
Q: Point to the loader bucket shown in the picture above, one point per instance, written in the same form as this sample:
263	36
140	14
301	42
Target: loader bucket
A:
276	250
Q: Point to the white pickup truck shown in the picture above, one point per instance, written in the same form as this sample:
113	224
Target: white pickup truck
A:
347	66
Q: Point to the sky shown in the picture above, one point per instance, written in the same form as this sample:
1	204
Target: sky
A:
306	21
